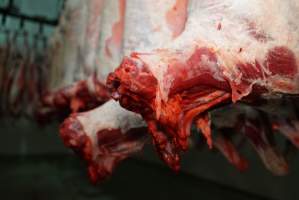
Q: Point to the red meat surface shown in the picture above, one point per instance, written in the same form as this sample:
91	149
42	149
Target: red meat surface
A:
229	51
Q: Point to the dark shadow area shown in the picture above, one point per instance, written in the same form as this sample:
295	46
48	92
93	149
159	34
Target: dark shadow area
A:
64	177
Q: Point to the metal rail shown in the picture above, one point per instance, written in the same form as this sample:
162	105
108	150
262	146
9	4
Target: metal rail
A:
12	11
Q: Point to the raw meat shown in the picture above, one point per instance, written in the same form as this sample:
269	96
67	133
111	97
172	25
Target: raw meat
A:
16	87
104	137
254	125
229	51
226	67
143	30
73	84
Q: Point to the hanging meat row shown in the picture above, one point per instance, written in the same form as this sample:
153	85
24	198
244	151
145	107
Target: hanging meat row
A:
130	70
204	64
22	75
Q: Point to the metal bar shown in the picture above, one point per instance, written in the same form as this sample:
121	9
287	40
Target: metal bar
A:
37	19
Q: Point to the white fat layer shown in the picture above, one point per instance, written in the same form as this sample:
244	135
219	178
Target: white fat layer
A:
146	26
110	17
276	19
108	117
74	44
92	35
67	45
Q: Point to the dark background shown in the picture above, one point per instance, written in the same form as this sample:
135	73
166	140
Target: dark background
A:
34	164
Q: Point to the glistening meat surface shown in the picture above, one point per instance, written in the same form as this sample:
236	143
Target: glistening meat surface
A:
134	25
228	51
